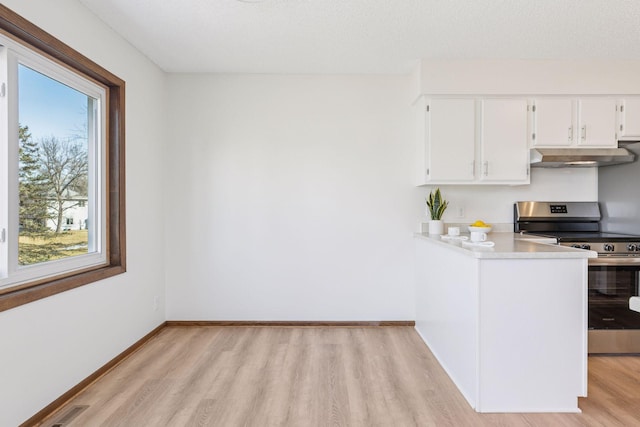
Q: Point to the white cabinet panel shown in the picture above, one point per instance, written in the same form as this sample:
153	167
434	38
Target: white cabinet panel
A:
554	120
504	153
629	118
450	140
597	122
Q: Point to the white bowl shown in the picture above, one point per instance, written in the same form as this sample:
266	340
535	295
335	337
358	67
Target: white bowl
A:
481	229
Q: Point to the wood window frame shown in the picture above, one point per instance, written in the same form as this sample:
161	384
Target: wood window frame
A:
24	32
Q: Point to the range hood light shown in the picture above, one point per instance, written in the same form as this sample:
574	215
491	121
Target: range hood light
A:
582	163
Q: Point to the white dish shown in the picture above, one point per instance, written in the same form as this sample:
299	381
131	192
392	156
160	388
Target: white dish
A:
485	244
481	229
447	237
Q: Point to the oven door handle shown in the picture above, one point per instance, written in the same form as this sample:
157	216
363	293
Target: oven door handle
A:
614	261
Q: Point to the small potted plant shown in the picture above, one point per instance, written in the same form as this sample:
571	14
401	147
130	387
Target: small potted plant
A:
436	206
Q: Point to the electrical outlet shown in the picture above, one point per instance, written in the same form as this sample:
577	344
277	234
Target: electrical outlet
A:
156	302
460	212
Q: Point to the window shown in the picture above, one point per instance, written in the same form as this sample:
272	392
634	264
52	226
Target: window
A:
60	147
61	166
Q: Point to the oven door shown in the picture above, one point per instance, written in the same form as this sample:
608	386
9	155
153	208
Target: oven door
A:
613	327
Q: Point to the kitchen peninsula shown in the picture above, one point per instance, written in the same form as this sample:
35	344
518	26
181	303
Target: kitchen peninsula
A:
508	323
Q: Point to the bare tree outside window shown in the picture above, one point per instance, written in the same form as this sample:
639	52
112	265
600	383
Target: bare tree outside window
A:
53	181
65	168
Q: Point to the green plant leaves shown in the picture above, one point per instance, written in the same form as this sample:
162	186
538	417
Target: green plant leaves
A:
436	204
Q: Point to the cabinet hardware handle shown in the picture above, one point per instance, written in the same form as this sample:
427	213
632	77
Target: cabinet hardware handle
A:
486	168
584	132
570	133
3	235
621	128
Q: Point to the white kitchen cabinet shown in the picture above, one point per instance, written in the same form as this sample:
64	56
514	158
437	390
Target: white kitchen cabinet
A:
597	122
504	156
629	119
553	122
563	122
450	140
464	140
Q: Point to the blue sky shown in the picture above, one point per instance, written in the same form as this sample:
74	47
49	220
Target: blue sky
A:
48	107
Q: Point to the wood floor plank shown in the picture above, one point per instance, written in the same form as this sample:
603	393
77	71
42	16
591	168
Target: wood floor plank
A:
366	398
317	376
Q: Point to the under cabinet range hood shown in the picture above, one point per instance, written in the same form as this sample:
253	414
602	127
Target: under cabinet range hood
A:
579	157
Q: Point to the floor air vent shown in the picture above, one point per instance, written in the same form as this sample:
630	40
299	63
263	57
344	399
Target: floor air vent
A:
68	416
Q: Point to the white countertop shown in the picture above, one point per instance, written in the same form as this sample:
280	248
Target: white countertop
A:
511	245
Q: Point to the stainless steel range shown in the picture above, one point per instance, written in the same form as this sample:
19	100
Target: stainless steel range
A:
614	276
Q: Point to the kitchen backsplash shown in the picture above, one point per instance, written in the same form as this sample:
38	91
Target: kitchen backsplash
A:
494	204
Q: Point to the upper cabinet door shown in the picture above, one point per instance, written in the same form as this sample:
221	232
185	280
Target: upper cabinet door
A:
553	122
597	122
450	140
629	118
504	151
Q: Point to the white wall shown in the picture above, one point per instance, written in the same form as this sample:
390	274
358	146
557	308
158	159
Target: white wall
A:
290	198
528	77
50	345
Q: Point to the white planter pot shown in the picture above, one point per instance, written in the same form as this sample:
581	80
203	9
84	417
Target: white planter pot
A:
436	227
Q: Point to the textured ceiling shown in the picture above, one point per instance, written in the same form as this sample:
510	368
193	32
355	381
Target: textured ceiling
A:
368	36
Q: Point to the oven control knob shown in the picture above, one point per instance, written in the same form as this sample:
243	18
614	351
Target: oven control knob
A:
575	246
608	247
632	247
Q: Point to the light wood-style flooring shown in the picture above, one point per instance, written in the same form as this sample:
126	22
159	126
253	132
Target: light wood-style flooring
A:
314	376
